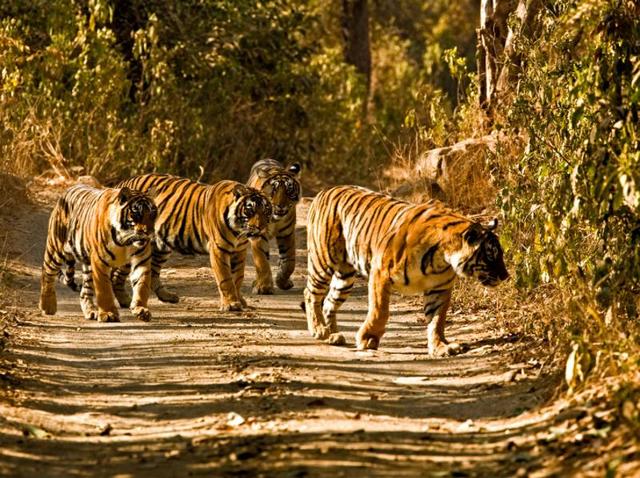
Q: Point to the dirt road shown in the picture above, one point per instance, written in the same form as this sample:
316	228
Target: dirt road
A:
199	392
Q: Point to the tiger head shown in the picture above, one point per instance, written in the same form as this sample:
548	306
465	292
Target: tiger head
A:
480	255
250	212
133	218
282	188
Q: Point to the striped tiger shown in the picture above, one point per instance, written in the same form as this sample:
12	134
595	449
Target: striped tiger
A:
196	218
398	246
282	187
102	229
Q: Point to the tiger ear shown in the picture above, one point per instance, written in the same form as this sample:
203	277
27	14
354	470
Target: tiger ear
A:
294	168
473	234
124	195
239	190
491	225
263	173
152	193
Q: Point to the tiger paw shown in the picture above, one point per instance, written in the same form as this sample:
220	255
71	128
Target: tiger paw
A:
262	289
367	342
167	296
321	332
104	316
141	313
48	304
123	298
91	315
337	339
284	283
231	306
89	311
443	349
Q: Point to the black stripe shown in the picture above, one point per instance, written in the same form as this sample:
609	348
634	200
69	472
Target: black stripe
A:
427	258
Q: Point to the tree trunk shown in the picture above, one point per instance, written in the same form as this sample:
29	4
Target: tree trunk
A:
525	13
355	32
498	59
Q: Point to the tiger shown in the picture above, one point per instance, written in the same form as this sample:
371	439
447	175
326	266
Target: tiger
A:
282	186
102	229
196	218
397	246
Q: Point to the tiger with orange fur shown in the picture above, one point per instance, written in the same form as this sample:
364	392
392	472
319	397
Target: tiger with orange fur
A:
102	229
398	246
281	185
195	218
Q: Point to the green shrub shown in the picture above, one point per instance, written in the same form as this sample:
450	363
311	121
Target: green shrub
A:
571	198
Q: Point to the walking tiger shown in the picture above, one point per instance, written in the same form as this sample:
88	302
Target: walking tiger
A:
195	218
282	187
398	246
102	229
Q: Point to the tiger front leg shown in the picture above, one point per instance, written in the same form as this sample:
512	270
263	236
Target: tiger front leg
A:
370	333
119	282
230	299
141	284
101	275
287	261
314	293
436	304
263	284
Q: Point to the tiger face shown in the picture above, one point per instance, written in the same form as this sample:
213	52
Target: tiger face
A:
283	190
132	218
481	255
250	213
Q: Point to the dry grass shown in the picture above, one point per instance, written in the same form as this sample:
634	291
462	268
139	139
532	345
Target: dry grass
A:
33	146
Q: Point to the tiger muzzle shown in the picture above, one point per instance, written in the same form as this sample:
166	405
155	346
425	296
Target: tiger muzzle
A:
279	212
138	240
493	280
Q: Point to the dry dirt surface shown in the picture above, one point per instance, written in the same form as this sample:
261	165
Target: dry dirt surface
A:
199	392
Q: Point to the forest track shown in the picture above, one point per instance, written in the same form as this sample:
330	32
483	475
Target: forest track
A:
200	392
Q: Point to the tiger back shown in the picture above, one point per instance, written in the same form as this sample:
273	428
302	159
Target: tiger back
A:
397	246
281	185
102	229
195	218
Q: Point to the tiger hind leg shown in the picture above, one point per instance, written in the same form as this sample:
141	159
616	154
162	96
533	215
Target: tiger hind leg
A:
48	302
119	282
89	309
68	276
341	286
238	261
51	268
158	258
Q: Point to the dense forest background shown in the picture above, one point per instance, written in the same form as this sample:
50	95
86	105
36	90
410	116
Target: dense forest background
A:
205	88
352	90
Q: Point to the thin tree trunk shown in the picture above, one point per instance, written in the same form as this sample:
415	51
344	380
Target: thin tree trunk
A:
525	13
355	32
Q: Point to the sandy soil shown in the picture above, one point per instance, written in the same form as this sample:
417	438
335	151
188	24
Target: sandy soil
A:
199	392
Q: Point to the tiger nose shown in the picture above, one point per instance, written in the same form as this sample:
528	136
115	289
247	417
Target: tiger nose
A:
141	229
